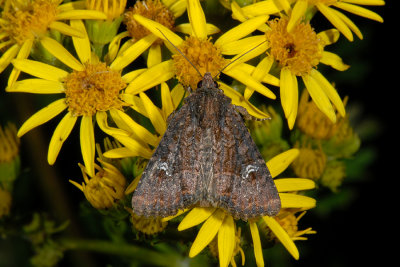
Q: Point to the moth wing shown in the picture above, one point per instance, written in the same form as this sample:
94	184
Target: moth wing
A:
243	184
167	184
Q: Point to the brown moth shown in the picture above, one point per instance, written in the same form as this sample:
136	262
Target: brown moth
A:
206	158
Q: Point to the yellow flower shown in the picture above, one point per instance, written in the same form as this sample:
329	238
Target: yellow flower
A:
23	24
299	8
91	89
337	18
289	221
104	188
207	56
164	12
297	54
217	221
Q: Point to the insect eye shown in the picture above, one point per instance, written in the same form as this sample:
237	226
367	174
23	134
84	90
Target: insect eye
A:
200	84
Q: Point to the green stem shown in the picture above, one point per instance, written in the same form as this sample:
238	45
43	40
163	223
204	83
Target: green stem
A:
141	254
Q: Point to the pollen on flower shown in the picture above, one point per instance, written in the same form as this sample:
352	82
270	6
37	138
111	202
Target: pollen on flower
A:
152	9
299	50
26	20
202	54
96	88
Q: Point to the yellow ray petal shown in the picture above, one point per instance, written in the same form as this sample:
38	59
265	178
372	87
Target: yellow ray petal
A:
334	61
259	73
319	97
289	200
40	70
152	77
80	4
37	86
257	244
262	8
154	113
297	14
286	91
239	100
226	241
87	143
130	76
66	29
82	44
136	147
154	56
245	44
360	11
178	8
242	30
166	99
329	36
177	94
279	163
159	30
114	45
197	19
133	52
7	56
57	50
335	20
282	235
80	14
293	184
207	232
102	122
194	217
23	53
60	134
137	131
330	91
249	81
247	55
42	116
349	23
120	152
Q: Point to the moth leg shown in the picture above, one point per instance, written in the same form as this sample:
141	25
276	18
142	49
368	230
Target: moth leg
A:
246	114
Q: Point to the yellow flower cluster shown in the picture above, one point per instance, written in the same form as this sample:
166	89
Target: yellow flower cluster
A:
128	82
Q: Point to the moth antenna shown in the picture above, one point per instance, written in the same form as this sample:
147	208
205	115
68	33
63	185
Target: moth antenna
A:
238	58
180	52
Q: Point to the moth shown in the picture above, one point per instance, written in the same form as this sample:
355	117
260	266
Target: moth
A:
206	158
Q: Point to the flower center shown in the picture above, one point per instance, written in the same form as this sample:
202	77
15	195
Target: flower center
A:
96	88
25	22
202	54
152	9
299	50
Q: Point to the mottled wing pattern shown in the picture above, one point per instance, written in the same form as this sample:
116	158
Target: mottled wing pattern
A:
242	183
208	158
166	186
